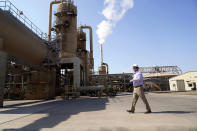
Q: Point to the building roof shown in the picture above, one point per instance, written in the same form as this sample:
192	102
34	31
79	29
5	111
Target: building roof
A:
160	75
189	74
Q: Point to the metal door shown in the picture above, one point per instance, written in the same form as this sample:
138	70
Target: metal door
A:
180	85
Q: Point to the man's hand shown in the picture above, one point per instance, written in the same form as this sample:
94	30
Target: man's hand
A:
131	80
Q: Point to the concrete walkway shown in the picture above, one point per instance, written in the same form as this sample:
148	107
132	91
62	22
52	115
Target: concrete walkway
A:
101	114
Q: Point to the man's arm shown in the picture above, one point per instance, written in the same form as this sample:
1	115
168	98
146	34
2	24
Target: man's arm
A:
136	78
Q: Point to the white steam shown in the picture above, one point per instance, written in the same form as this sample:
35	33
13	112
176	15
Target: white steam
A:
113	12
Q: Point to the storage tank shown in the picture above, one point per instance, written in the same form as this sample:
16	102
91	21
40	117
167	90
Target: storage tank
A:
66	26
104	69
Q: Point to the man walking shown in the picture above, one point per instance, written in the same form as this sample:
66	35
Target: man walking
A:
138	90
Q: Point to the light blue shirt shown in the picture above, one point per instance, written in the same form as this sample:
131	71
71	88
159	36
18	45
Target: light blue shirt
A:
137	79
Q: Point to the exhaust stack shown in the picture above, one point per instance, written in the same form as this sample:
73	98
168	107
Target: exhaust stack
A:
101	54
104	68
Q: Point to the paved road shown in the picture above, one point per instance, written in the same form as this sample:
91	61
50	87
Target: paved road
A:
105	114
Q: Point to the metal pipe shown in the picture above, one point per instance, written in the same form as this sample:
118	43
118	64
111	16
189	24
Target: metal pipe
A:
91	44
50	16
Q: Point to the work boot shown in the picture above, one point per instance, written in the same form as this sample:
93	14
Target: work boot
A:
130	111
148	112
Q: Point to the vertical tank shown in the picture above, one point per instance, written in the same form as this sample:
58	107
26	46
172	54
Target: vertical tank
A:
81	39
66	26
83	53
104	69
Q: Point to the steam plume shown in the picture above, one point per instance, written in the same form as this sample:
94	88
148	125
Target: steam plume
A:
113	12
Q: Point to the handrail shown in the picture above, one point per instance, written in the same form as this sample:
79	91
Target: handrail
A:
6	5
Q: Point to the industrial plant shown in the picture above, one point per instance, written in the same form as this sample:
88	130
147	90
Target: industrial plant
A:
39	66
59	64
62	80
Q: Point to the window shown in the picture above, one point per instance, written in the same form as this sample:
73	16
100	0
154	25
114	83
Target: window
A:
190	84
62	71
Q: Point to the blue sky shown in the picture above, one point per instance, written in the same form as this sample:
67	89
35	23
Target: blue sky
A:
154	32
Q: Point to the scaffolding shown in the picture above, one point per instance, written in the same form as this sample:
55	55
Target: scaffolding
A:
157	78
161	69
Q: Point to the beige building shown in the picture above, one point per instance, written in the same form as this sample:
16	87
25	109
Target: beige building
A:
184	82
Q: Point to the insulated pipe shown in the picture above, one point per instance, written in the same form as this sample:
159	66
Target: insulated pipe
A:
91	44
50	16
20	41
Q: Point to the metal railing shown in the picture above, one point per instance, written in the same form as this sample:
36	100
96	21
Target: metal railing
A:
6	5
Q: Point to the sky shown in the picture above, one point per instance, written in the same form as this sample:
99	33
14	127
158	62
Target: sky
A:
152	33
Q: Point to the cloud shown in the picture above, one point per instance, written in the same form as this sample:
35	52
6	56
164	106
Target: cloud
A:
114	11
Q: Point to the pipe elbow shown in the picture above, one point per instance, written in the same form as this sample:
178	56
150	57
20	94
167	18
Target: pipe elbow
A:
55	2
86	27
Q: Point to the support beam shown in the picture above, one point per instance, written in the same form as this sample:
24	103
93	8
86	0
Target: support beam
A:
77	74
1	43
3	67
